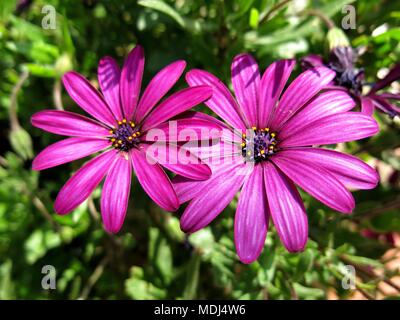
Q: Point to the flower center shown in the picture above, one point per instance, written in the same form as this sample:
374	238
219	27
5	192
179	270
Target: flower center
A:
125	136
259	145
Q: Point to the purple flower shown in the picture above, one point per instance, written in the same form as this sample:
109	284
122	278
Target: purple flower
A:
342	61
384	100
119	132
281	129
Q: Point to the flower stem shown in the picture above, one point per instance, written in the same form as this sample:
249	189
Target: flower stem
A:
13	103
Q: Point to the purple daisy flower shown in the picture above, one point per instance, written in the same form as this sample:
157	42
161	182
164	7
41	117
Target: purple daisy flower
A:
342	60
119	132
279	133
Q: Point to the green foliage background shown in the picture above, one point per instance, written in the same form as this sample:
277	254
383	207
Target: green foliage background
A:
151	258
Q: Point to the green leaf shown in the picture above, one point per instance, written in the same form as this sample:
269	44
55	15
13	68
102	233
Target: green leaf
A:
6	9
254	18
160	254
39	242
44	71
243	7
363	261
7	289
164	8
138	288
308	293
192	280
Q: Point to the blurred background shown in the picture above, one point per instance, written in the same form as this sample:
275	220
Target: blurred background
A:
151	258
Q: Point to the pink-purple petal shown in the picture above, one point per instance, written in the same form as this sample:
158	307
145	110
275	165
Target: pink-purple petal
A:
162	82
115	194
336	128
109	76
222	101
272	83
131	81
299	92
286	209
211	200
252	217
185	129
393	75
367	106
79	187
87	97
349	170
66	151
311	61
68	124
246	84
187	189
175	104
315	180
154	181
178	160
385	106
327	103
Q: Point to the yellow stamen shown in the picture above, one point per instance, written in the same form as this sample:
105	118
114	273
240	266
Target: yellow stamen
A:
249	153
119	122
130	138
273	134
271	147
262	151
124	120
120	141
138	133
132	124
243	135
243	144
134	135
113	140
254	128
266	129
111	131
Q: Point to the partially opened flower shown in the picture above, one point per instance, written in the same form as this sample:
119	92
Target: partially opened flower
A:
342	61
119	132
279	132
